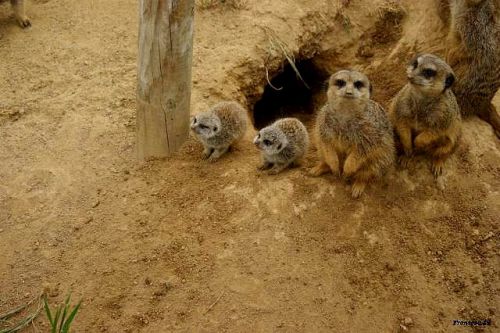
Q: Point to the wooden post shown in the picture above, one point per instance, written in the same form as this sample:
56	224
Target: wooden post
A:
164	76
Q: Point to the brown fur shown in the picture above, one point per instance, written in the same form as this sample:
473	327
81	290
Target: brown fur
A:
353	135
473	51
425	113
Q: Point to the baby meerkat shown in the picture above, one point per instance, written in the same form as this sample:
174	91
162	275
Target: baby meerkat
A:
425	113
220	127
473	51
19	12
354	136
282	144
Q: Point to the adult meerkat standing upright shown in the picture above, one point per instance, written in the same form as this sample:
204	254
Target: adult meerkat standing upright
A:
20	13
353	135
473	51
425	113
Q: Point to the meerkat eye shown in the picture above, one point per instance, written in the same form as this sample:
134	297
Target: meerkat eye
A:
340	83
267	142
359	85
429	73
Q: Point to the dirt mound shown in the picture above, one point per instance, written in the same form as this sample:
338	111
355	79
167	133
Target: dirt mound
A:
183	245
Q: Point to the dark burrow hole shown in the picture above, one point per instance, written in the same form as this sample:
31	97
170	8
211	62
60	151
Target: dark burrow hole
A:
288	96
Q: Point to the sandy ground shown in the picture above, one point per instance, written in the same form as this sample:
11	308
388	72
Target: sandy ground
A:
180	245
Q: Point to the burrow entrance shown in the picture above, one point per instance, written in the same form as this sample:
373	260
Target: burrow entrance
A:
288	95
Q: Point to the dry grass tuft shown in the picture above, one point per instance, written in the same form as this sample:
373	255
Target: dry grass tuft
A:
278	47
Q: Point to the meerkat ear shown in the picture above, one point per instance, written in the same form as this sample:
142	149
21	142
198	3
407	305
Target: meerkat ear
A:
414	61
279	147
450	79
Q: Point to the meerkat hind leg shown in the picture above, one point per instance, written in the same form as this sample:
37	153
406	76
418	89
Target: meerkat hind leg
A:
361	179
440	155
352	164
322	167
358	188
332	159
405	136
493	118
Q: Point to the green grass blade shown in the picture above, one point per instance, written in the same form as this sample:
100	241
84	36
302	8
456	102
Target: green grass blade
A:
72	315
63	317
47	310
56	320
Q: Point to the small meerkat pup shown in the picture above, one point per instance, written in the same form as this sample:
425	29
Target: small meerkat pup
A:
220	127
282	144
353	134
20	13
473	51
425	113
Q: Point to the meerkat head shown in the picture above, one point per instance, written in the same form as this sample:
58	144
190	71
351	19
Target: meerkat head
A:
271	140
205	125
430	74
349	85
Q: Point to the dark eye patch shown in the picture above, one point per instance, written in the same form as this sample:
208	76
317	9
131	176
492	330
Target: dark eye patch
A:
359	85
340	83
429	73
267	142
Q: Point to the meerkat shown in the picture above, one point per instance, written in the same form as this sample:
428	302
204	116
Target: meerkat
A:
220	127
425	112
354	136
20	13
473	51
282	144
